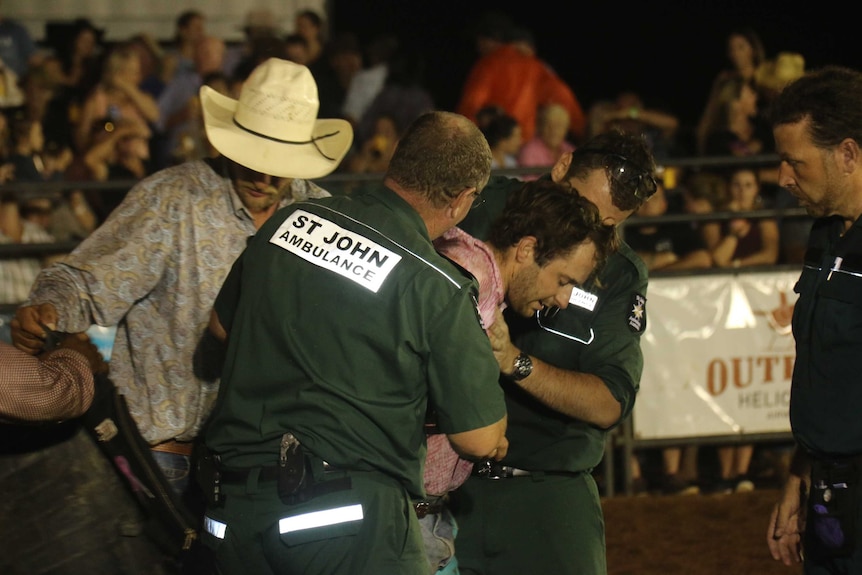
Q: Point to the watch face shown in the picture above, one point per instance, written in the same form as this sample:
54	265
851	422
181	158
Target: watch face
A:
523	367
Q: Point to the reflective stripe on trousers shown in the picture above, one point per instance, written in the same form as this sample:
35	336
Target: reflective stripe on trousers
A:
300	522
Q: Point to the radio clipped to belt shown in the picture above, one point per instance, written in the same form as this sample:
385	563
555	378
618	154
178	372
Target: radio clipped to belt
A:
291	476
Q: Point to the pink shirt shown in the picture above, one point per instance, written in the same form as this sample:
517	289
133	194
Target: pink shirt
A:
536	153
478	259
444	469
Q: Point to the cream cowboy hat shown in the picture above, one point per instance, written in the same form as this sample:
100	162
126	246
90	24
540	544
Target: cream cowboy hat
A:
273	127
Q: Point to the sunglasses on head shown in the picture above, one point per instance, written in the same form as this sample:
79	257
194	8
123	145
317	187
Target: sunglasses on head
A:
628	174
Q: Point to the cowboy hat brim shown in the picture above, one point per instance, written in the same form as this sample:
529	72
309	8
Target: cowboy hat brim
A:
260	153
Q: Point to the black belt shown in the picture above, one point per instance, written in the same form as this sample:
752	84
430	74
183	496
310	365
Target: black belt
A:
312	490
495	470
227	475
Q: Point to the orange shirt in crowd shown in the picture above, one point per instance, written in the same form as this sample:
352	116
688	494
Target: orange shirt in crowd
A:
519	83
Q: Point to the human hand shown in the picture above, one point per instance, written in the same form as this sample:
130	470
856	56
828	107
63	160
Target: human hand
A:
502	449
739	227
119	83
27	334
786	525
663	259
501	344
81	343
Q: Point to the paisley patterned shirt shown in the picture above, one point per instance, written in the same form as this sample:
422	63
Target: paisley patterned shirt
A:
153	269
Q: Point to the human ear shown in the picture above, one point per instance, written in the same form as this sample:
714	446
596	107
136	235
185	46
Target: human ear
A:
561	167
525	249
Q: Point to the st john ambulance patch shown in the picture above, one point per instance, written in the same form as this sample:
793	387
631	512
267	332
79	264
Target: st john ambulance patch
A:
637	314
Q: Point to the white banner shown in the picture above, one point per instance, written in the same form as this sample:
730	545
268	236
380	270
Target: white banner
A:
718	356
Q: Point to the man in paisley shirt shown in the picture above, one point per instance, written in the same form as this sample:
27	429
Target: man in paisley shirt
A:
154	267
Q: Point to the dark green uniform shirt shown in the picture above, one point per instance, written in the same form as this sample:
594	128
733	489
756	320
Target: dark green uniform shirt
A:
343	324
598	333
826	392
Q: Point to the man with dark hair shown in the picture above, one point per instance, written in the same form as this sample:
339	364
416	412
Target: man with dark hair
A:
570	376
344	326
817	125
547	242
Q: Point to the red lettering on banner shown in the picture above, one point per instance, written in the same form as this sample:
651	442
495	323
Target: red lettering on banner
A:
743	372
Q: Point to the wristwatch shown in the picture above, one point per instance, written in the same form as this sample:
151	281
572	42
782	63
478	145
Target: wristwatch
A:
523	367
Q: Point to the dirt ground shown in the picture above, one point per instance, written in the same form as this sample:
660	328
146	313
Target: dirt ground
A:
691	535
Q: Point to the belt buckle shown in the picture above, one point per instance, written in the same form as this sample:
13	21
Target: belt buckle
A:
421	508
492	470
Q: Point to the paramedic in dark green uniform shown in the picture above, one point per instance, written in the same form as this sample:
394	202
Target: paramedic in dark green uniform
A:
570	375
817	124
343	326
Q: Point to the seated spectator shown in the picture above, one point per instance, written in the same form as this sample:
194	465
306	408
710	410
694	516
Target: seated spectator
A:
667	246
705	192
151	57
193	143
296	49
374	153
178	104
72	218
118	152
310	25
17	49
78	50
118	96
189	28
731	130
486	114
18	274
628	113
551	139
745	54
746	242
28	143
504	137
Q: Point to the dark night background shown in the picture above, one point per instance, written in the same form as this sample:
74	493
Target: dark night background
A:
667	52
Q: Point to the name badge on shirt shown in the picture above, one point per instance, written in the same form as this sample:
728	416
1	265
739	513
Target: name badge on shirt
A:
583	299
328	245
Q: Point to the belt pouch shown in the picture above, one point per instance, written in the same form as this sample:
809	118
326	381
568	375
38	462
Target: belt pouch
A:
209	477
833	507
291	477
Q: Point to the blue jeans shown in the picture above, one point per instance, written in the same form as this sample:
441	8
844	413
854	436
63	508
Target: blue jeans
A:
438	533
176	468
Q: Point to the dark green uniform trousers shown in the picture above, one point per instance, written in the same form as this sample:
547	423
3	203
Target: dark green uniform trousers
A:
531	524
370	528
